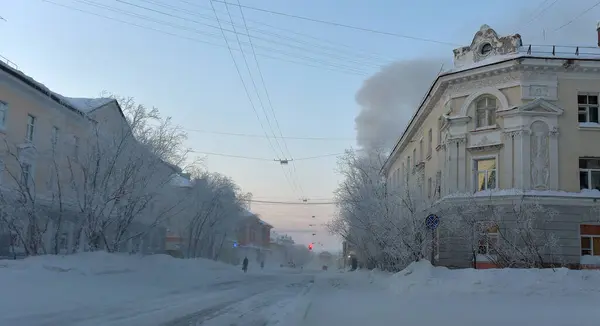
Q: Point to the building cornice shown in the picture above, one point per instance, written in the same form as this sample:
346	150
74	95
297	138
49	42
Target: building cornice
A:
514	64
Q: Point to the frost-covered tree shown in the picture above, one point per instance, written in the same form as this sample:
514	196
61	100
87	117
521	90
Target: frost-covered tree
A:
507	232
384	221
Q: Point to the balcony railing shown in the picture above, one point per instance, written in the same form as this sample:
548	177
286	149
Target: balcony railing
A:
562	51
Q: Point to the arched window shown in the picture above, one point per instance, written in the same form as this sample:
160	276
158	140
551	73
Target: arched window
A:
485	111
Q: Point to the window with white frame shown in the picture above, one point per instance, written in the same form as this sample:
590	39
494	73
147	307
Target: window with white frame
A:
589	173
485	111
430	142
485	173
3	112
487	242
590	239
587	104
30	128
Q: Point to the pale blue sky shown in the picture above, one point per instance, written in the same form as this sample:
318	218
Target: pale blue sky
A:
79	55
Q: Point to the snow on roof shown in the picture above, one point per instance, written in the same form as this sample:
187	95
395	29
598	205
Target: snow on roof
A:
180	181
87	105
82	105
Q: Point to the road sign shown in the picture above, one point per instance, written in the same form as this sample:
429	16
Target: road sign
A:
432	221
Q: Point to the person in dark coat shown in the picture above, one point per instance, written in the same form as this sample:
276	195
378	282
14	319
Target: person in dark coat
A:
245	264
354	263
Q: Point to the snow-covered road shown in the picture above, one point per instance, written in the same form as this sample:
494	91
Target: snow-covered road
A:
252	300
118	290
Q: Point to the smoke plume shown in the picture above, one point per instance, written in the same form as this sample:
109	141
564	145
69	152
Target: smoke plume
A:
389	98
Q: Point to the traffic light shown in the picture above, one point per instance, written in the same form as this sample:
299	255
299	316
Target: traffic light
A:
310	246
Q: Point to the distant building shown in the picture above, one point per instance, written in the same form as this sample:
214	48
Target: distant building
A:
253	237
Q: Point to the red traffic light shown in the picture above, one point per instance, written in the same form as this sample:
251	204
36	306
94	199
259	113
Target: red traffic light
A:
310	246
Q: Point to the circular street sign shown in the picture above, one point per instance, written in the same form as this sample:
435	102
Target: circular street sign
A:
432	221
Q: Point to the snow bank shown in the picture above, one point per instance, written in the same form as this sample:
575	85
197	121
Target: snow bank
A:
421	277
96	279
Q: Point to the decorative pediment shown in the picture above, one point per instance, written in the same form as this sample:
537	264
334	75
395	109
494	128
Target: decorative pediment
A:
486	43
539	107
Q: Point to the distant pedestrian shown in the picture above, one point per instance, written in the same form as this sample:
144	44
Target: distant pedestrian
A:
262	264
245	264
354	263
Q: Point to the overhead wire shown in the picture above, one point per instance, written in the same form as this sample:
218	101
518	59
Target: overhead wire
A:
364	29
332	51
263	158
292	184
328	42
310	61
244	85
227	30
269	102
262	136
577	17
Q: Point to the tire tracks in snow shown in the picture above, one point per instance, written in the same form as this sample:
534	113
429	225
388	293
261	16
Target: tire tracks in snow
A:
250	310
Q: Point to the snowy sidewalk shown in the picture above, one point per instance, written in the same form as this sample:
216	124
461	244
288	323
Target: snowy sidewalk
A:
433	296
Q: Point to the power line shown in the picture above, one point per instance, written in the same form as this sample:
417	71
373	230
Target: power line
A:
327	46
262	158
262	136
234	31
364	29
312	62
262	79
243	82
576	17
289	202
541	13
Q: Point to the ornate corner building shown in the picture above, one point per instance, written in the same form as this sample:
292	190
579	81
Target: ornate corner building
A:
510	117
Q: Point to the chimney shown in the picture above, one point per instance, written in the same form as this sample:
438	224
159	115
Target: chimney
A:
598	31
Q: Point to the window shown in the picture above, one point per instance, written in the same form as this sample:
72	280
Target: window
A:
439	133
488	239
421	158
26	172
75	147
430	142
589	173
408	166
486	49
415	156
54	137
485	112
588	107
30	128
3	111
438	183
485	174
429	188
590	240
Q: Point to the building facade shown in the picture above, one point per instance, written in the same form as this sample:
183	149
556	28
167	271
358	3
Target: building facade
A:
43	134
510	121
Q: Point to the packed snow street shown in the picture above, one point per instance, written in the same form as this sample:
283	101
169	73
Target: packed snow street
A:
114	290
